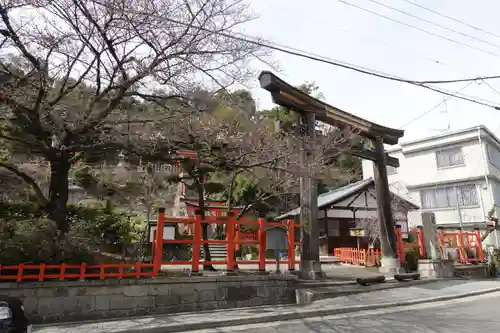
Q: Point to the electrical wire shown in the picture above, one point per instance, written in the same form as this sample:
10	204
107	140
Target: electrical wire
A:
411	52
435	107
299	53
419	29
452	19
489	85
304	54
434	23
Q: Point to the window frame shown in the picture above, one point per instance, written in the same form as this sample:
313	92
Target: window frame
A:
471	196
394	172
450	149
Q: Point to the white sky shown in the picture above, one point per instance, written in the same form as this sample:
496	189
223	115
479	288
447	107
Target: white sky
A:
339	31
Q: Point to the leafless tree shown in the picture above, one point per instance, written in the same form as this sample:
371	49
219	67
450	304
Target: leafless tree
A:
86	77
371	226
235	146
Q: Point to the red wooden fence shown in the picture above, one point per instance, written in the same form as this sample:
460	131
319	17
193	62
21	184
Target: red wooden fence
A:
42	272
233	240
363	257
465	241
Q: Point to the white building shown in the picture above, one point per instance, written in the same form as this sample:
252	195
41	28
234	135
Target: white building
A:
436	171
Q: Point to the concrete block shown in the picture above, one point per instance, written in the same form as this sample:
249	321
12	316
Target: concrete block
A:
256	302
48	306
85	304
160	289
432	268
117	302
221	294
243	303
166	300
100	290
206	286
135	291
226	304
68	304
210	305
263	291
206	295
45	292
102	302
144	302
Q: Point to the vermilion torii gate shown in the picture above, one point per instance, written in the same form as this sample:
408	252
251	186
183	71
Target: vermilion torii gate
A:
311	109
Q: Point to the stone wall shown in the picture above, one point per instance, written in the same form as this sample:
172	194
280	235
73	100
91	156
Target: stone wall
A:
60	301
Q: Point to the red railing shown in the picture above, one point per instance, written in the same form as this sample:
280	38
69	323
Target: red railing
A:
465	241
402	245
372	257
233	241
43	272
363	257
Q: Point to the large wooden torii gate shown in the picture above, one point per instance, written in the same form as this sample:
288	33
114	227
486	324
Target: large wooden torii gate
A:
311	109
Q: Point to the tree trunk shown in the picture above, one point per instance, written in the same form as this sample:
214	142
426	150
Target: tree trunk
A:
59	192
204	226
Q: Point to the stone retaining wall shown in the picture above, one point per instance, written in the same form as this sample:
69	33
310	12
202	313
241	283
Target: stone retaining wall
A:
60	301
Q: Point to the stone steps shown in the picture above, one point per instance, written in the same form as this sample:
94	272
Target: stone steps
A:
217	251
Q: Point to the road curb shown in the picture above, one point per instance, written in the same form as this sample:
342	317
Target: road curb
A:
303	314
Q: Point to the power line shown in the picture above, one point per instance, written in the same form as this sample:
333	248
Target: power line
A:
303	54
412	52
435	107
452	19
489	85
419	29
434	23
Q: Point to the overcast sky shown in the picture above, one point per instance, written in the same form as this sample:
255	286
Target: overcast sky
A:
339	31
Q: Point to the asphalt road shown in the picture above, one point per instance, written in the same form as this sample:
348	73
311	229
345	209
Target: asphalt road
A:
469	315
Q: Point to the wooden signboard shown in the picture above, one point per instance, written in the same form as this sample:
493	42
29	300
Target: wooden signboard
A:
357	232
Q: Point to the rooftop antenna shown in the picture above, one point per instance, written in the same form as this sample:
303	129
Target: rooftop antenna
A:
447	117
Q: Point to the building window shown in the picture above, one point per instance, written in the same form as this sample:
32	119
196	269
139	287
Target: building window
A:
391	170
494	156
446	197
449	157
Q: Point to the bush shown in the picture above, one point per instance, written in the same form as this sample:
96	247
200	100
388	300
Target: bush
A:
411	259
112	229
28	237
494	263
38	241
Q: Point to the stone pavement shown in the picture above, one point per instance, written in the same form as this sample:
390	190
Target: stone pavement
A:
431	292
467	315
333	271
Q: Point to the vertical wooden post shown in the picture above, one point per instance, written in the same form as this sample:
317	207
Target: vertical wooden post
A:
421	242
400	244
158	252
388	243
231	223
291	244
195	263
237	236
460	245
479	244
262	244
442	247
310	267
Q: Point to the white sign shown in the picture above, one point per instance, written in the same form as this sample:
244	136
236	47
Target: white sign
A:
168	233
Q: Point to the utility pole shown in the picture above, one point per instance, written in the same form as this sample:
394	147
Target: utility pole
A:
459	210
